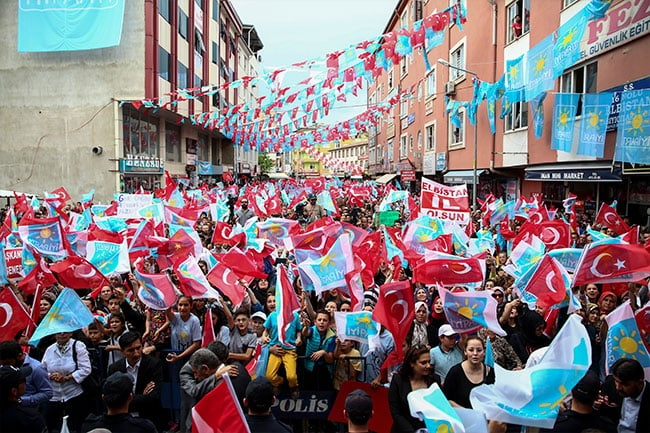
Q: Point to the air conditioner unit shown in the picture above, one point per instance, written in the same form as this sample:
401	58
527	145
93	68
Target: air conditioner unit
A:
450	88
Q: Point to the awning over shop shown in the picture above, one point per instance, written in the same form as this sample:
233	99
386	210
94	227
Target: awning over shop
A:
386	178
461	176
583	172
278	175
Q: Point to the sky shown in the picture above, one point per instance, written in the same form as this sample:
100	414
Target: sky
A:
296	30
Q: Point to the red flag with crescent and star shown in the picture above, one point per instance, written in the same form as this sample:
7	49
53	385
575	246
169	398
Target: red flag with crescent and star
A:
13	316
395	309
78	273
612	263
608	217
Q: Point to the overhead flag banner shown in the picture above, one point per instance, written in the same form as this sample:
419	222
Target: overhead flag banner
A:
564	117
633	138
593	126
566	51
60	25
515	73
537	106
539	68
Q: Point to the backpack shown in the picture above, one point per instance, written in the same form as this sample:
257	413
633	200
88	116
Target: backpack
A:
91	384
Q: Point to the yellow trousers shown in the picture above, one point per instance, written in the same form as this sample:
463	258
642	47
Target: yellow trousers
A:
289	361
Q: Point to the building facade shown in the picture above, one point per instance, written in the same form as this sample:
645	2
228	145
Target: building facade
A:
74	119
512	161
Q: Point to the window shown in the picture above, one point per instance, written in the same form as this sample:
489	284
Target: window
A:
518	18
203	148
431	83
182	76
568	3
215	53
417	10
403	140
404	66
215	10
411	143
457	60
163	10
419	140
164	63
430	132
140	133
403	106
580	80
457	133
390	79
199	46
199	4
172	142
197	81
517	118
216	100
182	23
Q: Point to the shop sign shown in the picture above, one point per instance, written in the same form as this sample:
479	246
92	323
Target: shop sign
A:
408	175
441	161
141	165
309	405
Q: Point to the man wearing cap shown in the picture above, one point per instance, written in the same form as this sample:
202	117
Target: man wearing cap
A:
13	416
314	210
38	389
358	411
258	401
447	353
581	415
117	393
257	323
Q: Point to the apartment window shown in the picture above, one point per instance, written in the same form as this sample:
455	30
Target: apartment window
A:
457	133
203	148
411	143
580	80
215	53
457	60
140	133
418	7
419	140
404	66
568	3
199	46
390	79
163	10
431	83
517	118
182	76
403	106
518	18
197	81
403	142
199	4
164	63
183	21
172	142
216	100
215	10
430	133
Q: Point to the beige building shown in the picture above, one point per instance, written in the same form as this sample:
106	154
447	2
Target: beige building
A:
73	118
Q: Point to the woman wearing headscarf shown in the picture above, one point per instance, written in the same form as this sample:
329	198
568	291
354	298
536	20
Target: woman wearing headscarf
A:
417	335
531	335
436	320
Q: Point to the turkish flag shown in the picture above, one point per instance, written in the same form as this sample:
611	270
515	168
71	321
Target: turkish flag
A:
449	271
13	317
229	418
608	217
612	263
317	185
240	264
372	251
61	194
547	282
319	239
631	236
442	243
227	282
208	329
395	310
555	234
78	273
223	235
97	234
40	276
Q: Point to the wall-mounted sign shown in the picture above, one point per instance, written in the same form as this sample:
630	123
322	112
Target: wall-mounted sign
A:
441	161
408	175
142	165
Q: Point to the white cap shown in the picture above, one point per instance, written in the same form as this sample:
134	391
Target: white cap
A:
259	315
447	330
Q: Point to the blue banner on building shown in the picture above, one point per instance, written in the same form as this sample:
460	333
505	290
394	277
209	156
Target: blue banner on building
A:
539	68
63	25
566	51
537	105
514	73
633	138
564	117
593	125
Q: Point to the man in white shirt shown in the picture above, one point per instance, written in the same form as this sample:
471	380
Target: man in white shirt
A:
631	385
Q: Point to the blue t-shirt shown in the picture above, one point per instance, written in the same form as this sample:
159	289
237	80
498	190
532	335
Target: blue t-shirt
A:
295	326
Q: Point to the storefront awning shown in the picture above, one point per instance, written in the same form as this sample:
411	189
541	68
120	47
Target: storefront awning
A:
461	176
584	172
386	178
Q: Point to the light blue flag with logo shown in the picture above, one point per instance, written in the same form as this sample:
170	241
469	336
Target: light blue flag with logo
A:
624	339
108	257
537	105
489	353
392	197
356	326
68	313
564	117
431	405
593	125
514	75
539	68
328	271
633	138
532	396
65	25
566	51
567	257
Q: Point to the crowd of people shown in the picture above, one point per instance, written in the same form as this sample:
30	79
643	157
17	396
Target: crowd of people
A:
110	374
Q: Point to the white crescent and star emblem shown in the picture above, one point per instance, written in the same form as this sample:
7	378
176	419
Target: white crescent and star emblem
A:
594	266
8	313
549	281
465	270
554	233
607	216
402	303
535	218
83	271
